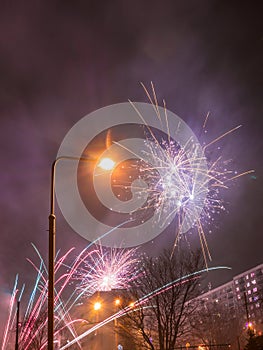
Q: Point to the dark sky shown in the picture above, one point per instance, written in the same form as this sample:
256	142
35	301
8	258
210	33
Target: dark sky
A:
61	60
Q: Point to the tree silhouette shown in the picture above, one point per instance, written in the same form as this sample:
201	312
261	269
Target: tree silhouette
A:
165	291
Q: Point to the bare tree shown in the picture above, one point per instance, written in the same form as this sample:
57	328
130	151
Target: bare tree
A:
216	323
162	295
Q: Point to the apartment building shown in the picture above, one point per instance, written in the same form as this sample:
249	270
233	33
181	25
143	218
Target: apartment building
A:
248	288
224	314
242	296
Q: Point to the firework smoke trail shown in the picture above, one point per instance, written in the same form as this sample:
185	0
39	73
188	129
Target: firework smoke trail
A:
142	301
107	269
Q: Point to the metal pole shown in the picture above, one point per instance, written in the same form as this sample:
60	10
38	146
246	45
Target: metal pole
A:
51	258
52	248
17	324
238	343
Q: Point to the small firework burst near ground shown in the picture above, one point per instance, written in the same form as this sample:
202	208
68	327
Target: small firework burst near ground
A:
92	269
106	269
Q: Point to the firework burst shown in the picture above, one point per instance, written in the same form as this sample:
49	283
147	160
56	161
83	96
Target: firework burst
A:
95	269
141	303
106	269
180	181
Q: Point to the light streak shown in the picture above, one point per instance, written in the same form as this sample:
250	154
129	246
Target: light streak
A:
140	302
10	314
34	321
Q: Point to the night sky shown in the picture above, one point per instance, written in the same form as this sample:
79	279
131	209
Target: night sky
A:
61	60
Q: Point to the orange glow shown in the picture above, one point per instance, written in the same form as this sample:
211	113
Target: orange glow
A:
97	306
117	302
106	164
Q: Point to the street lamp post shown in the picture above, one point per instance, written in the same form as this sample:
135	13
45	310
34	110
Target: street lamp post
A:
51	256
117	304
106	164
17	323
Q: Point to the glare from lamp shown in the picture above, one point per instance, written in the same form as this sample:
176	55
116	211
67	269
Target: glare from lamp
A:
97	306
106	164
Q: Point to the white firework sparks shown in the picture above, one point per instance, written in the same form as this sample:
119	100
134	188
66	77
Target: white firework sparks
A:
181	182
106	269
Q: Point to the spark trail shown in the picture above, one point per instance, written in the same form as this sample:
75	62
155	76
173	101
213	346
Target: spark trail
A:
140	302
99	268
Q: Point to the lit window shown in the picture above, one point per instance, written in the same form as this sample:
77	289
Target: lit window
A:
257	305
236	281
247	277
238	297
250	299
237	289
252	274
255	289
254	282
256	298
248	284
249	291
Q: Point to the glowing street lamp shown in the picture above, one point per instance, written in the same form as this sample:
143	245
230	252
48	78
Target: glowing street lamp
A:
105	164
117	302
97	306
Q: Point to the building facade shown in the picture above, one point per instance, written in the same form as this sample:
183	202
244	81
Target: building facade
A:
226	313
248	288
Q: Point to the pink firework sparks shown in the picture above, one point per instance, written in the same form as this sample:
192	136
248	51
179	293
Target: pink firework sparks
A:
33	321
106	269
96	269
